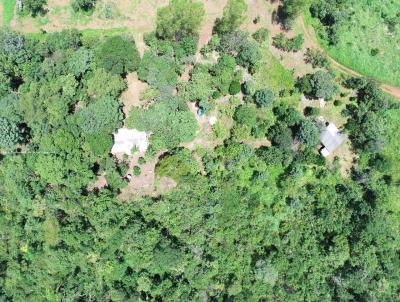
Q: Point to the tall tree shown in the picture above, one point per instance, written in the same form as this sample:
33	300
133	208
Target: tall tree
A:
233	16
179	19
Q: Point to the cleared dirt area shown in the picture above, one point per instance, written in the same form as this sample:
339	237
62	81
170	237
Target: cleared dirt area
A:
213	10
131	96
146	183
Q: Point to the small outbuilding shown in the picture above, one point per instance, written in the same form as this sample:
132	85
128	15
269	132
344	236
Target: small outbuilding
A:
331	138
125	139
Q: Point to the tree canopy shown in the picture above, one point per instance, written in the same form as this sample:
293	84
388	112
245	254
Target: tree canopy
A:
179	19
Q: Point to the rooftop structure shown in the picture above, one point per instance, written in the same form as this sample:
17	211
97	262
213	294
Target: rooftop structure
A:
331	138
125	139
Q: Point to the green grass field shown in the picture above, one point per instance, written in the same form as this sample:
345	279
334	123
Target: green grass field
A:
8	11
272	74
365	31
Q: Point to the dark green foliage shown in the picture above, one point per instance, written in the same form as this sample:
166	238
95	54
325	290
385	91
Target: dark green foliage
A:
246	115
249	88
118	55
281	136
249	56
179	19
337	103
274	223
65	39
9	133
103	114
102	83
308	133
261	35
288	44
85	5
367	123
99	144
158	71
316	58
303	84
291	10
323	85
311	111
34	7
264	97
141	161
234	87
331	14
170	122
178	164
231	42
136	170
232	17
318	85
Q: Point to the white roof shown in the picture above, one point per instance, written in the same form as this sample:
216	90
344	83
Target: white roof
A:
212	120
125	139
324	152
331	138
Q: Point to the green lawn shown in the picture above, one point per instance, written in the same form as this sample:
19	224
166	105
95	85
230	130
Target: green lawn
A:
365	31
272	74
8	11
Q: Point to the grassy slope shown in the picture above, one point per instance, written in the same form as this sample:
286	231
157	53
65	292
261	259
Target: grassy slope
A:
365	32
8	11
272	74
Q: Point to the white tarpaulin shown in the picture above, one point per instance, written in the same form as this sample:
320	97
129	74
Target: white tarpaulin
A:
126	139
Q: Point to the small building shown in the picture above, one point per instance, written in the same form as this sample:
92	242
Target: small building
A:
331	138
126	139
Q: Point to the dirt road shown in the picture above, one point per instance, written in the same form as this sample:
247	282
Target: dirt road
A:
310	37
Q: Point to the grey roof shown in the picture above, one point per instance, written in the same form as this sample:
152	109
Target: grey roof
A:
331	137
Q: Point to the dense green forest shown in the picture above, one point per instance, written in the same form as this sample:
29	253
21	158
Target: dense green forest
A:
244	223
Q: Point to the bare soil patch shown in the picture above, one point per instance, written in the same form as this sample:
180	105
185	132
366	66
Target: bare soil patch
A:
146	183
100	183
131	96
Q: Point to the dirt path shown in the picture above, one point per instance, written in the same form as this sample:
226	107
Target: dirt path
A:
309	36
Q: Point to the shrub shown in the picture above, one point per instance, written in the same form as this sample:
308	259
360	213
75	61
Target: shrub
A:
234	88
281	136
311	111
264	97
337	103
177	165
102	83
303	84
249	56
316	58
308	133
159	72
246	115
290	10
103	114
261	35
249	87
293	44
233	16
136	170
85	5
9	133
323	85
179	19
141	160
117	55
34	7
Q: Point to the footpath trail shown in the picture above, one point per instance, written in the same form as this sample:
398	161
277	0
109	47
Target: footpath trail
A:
310	37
